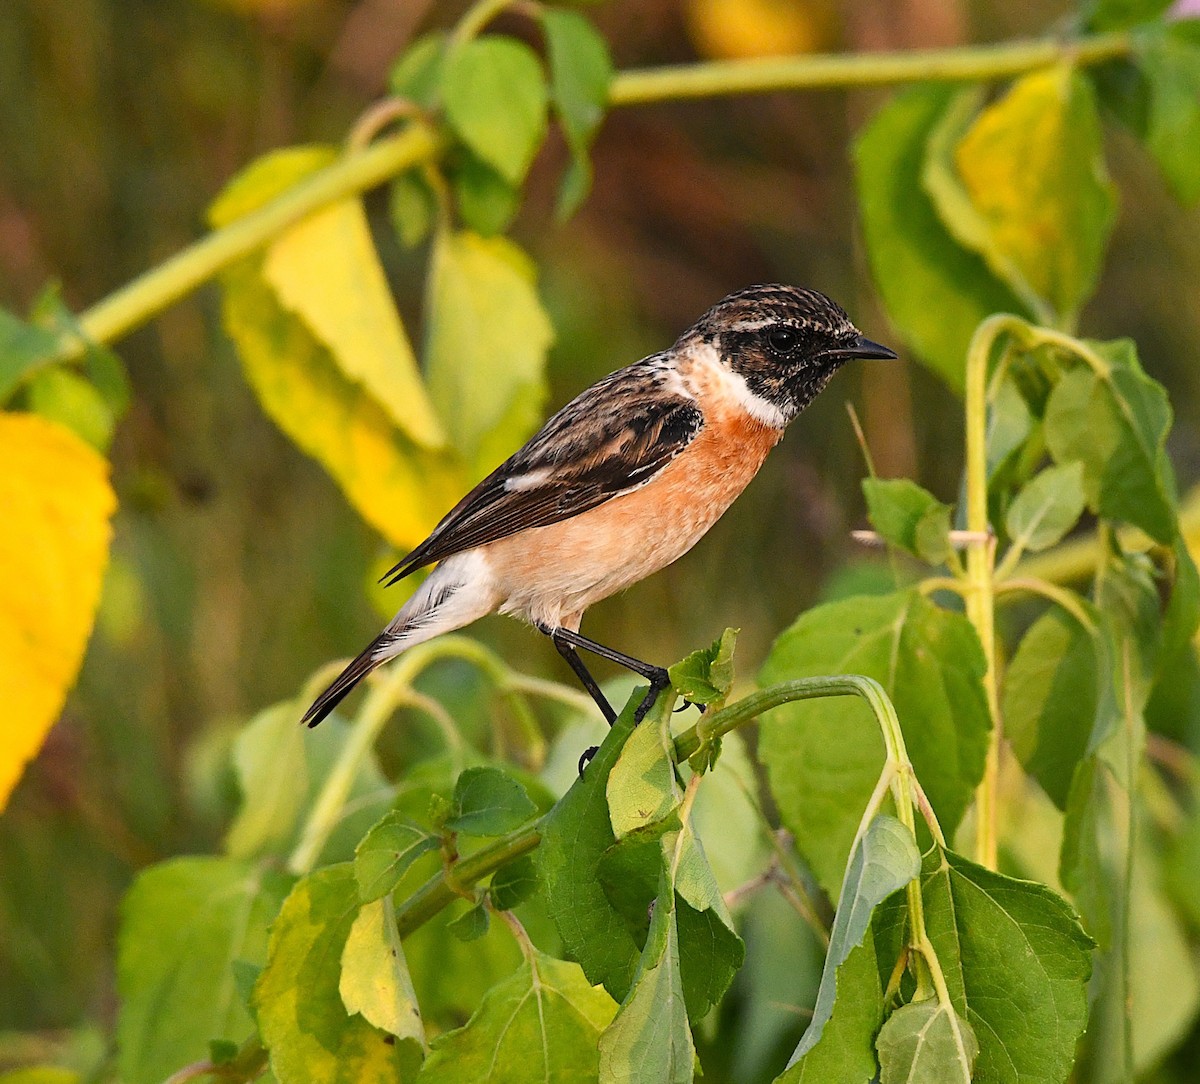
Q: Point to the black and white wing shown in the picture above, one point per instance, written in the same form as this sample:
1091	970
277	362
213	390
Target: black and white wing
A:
613	437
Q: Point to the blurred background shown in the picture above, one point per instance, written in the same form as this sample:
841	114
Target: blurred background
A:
237	566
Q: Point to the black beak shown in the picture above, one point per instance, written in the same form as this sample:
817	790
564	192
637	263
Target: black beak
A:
863	348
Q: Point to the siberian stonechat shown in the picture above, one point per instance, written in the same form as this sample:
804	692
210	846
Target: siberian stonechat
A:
622	481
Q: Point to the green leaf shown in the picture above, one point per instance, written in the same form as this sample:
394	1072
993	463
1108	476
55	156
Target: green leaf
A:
67	398
1183	610
24	349
101	366
1047	508
936	292
710	950
513	884
412	207
649	1041
495	98
706	676
581	72
544	1023
845	1053
280	768
1171	63
297	999
417	75
642	791
375	981
575	835
1033	167
1116	424
182	923
1119	14
489	802
824	757
396	483
486	201
926	1043
386	852
1010	425
486	347
909	517
452	976
1051	694
1016	963
272	772
472	924
884	860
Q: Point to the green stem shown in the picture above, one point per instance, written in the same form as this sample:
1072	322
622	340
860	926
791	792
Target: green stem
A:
135	303
392	688
968	64
981	553
1060	596
438	892
129	307
897	771
476	18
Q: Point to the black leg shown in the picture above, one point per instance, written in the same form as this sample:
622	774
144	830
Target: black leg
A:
568	652
656	675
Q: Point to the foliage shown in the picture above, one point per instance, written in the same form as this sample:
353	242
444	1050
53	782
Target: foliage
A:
471	919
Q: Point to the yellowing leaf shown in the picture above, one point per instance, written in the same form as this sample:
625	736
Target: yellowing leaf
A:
748	28
1032	165
57	503
337	416
487	344
326	270
399	488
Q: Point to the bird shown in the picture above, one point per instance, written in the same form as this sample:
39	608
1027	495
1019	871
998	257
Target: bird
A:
620	482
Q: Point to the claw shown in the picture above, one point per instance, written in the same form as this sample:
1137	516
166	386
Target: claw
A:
585	758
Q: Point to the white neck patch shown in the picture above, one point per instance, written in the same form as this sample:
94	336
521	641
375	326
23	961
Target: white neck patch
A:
733	385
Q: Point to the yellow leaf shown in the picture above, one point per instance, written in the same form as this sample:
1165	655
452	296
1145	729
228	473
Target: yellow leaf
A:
53	549
398	487
734	29
1033	166
326	271
336	415
486	347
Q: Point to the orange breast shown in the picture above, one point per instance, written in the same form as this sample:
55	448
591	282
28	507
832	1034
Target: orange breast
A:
550	575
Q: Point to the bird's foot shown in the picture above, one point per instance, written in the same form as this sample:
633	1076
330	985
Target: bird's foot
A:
585	758
659	680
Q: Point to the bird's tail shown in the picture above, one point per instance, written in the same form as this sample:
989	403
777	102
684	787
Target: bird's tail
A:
456	593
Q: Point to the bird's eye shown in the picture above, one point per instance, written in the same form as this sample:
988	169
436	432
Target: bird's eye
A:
783	340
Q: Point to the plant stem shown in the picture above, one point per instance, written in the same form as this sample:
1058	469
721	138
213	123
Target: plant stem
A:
135	303
437	892
972	63
981	596
129	307
391	690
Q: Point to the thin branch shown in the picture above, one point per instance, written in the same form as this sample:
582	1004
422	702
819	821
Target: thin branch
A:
968	64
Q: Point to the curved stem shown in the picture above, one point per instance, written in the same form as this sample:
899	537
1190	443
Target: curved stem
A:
1060	596
135	303
129	307
978	63
391	689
